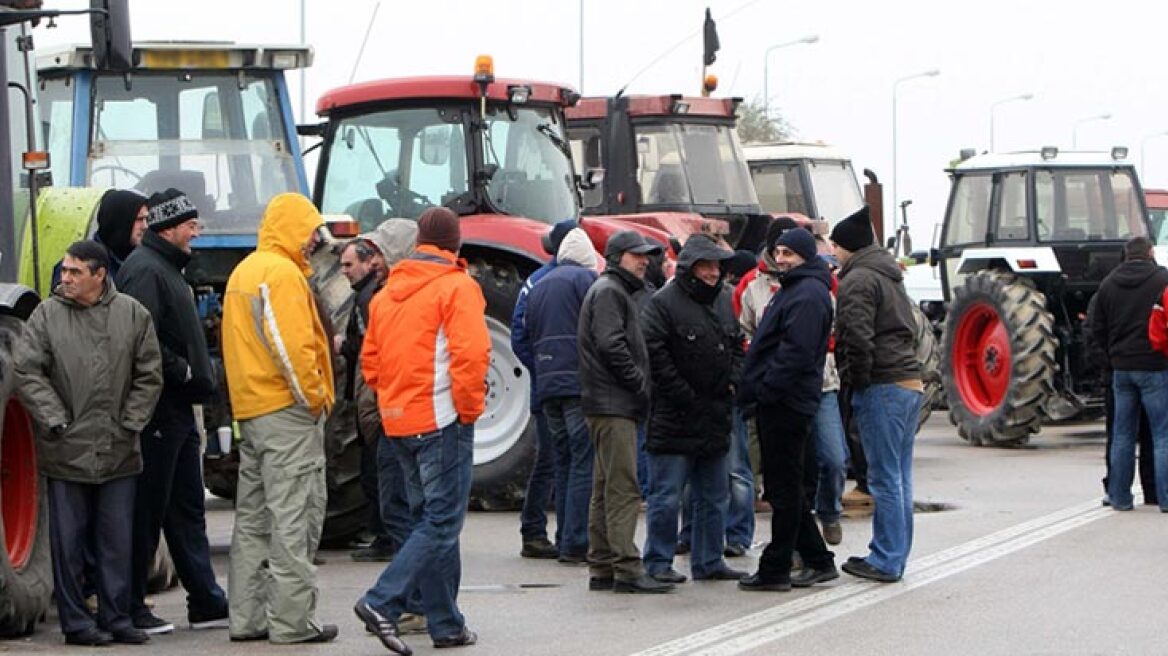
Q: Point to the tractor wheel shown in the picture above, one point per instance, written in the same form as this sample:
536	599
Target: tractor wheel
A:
929	355
1000	344
25	576
505	434
347	512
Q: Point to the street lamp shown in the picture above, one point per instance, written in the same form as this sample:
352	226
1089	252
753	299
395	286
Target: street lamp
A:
1025	96
1143	143
1075	128
766	99
895	86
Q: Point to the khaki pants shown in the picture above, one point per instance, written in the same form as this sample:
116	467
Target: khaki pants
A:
616	499
279	512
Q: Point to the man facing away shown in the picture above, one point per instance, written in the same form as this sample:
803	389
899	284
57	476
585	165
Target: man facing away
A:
170	488
281	380
426	354
89	371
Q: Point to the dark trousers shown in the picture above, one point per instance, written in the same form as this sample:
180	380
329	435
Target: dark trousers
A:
170	500
789	472
389	509
85	518
1144	442
540	484
859	464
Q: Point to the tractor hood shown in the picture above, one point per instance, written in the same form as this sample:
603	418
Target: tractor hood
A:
678	224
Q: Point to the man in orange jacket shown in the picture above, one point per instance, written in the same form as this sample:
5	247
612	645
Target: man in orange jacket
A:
426	353
281	381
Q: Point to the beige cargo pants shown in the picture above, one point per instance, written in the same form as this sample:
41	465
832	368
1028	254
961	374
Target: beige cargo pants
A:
279	511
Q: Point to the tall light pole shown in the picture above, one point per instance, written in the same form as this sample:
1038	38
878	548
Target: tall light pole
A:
766	98
994	105
895	87
1143	144
1088	119
303	69
581	47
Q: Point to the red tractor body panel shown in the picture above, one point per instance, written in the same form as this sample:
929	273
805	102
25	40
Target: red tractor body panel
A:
455	87
643	106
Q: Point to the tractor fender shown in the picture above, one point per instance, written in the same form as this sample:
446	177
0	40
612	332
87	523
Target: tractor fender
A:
1024	261
64	215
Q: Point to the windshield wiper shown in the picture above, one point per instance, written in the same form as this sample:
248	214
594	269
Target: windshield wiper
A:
561	145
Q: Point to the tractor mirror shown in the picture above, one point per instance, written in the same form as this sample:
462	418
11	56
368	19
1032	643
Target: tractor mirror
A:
890	244
934	257
213	117
593	178
350	137
435	142
110	32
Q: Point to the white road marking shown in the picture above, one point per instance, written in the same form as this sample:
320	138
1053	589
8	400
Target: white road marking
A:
752	631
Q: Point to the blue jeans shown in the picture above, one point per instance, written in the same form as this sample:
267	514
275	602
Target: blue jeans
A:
739	510
397	518
831	451
574	455
887	418
1135	390
533	517
709	484
438	475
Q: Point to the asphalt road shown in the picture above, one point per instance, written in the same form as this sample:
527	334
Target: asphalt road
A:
1018	557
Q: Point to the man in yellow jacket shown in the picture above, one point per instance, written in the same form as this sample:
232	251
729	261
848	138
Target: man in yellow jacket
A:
281	381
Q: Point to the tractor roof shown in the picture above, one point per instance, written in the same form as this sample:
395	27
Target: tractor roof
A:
454	87
596	107
788	150
1048	157
189	55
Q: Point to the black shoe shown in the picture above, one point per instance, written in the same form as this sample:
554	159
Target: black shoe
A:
669	576
756	583
464	638
600	583
375	553
255	637
724	574
91	637
865	570
216	620
152	624
573	559
539	548
644	585
130	636
328	633
381	626
809	576
682	548
734	551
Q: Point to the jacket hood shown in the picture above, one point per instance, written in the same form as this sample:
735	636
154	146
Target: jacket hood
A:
287	224
395	238
108	291
427	264
873	258
1134	273
576	248
116	214
700	248
815	269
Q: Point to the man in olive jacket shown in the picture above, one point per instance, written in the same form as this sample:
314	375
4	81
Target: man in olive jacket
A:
89	371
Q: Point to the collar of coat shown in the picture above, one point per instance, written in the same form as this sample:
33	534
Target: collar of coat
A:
171	253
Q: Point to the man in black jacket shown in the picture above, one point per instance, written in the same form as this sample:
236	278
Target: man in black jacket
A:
614	395
170	487
875	349
695	351
1119	323
783	375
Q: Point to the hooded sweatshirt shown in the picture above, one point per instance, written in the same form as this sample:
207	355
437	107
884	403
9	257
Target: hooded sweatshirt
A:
875	328
427	348
1122	308
275	348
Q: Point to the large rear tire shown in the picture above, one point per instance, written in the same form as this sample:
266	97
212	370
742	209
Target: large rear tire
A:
1000	343
25	570
929	355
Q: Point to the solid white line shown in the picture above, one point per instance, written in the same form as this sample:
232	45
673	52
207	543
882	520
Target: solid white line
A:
779	621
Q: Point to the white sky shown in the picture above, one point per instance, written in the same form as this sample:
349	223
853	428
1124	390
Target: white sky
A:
1078	58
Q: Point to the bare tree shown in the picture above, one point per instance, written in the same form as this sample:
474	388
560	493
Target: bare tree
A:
754	125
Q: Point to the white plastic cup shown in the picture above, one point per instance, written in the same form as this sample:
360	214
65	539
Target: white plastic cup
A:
225	436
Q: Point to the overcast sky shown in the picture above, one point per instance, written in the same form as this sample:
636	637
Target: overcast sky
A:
1078	58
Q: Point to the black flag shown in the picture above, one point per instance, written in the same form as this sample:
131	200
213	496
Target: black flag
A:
710	33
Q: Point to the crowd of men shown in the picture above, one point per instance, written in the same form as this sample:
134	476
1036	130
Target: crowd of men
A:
668	379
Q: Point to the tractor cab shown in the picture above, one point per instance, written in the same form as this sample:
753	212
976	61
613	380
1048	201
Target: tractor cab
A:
812	179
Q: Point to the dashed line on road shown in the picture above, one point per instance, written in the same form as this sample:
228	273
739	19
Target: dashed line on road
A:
772	624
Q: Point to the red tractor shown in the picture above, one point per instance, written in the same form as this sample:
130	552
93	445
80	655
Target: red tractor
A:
496	152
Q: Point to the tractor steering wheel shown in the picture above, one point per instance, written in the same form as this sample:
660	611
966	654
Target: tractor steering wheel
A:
137	177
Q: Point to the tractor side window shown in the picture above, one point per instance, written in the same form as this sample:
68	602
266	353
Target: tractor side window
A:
969	210
586	152
779	188
1012	208
659	167
1128	211
1087	206
534	174
362	164
56	109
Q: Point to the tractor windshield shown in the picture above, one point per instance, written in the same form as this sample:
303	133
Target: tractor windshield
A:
692	164
526	155
1087	205
837	194
218	137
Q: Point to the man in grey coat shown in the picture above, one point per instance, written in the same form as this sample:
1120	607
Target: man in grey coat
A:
90	372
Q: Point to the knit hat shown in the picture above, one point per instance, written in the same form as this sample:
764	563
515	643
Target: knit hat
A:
855	231
552	239
170	208
394	238
741	264
116	215
776	228
438	226
576	248
801	242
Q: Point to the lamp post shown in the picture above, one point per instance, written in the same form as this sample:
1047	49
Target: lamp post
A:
766	98
994	105
1143	144
1088	119
895	87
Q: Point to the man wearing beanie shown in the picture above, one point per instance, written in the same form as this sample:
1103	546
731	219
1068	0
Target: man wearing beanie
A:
428	320
170	487
783	376
614	391
533	518
876	354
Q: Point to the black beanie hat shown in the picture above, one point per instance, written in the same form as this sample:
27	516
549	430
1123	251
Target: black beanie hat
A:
776	228
855	231
438	226
801	242
170	208
116	214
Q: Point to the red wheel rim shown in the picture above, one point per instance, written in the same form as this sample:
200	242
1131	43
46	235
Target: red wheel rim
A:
981	359
18	484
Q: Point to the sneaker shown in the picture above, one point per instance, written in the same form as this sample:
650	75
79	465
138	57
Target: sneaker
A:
130	636
200	622
374	553
328	633
91	637
809	576
254	637
573	559
463	638
600	583
381	626
734	550
857	498
644	584
757	583
539	548
865	570
669	575
724	574
833	533
410	623
152	624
